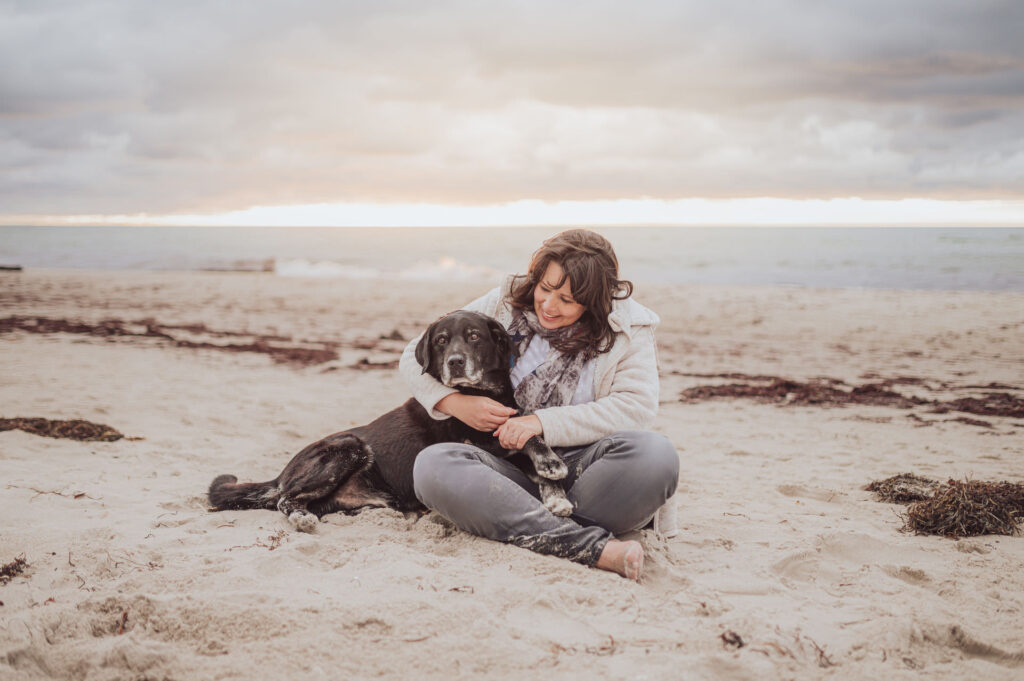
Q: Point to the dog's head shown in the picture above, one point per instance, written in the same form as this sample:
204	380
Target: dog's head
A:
462	348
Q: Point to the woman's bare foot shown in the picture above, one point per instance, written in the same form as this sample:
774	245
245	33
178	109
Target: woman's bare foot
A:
624	557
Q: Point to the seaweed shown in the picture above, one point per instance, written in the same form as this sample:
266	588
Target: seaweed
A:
968	508
831	392
820	392
75	429
903	488
732	640
12	569
992	404
955	509
298	353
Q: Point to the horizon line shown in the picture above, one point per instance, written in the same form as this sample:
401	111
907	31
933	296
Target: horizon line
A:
742	212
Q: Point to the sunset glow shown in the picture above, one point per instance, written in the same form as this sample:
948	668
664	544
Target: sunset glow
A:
695	212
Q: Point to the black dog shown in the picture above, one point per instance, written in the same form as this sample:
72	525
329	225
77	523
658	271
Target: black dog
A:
372	465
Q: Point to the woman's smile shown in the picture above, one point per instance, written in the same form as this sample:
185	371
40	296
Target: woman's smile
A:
554	305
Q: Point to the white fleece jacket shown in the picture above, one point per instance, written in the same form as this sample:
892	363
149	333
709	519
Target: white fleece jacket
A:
625	383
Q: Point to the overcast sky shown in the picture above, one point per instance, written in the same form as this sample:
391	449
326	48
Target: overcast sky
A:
125	107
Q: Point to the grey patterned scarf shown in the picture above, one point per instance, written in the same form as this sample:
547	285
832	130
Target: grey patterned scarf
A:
554	382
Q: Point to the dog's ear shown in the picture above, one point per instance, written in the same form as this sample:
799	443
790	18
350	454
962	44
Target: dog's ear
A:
502	341
423	348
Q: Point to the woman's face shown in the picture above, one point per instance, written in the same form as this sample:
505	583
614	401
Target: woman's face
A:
555	307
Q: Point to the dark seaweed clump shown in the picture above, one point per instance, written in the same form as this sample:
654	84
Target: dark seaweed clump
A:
12	569
967	509
955	509
75	429
991	404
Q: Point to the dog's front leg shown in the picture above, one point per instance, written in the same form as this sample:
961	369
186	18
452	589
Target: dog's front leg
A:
552	496
545	461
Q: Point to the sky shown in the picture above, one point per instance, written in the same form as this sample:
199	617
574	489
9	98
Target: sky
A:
477	112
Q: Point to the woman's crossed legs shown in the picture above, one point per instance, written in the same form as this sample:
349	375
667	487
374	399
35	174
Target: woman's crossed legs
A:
616	485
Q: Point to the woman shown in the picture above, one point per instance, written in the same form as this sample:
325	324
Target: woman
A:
586	379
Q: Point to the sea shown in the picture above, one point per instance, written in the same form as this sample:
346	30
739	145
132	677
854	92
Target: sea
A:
902	258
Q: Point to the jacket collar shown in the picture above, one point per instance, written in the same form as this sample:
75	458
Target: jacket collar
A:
628	314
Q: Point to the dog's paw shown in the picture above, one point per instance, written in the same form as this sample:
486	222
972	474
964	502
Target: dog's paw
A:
552	468
303	522
559	506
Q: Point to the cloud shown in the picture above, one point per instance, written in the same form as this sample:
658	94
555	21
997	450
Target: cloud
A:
191	107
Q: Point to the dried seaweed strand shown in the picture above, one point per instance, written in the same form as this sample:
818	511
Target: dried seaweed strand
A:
74	429
830	392
12	569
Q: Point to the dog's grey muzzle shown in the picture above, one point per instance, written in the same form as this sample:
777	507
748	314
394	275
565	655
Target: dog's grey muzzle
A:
459	369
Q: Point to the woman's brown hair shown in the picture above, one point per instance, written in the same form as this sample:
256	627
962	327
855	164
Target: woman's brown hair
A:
589	263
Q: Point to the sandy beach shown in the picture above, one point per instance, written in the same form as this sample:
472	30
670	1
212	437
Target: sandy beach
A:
784	567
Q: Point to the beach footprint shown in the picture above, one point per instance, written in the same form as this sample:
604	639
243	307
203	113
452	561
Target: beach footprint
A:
907	574
804	566
805	492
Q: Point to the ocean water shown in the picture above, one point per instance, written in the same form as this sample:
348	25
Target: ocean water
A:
886	258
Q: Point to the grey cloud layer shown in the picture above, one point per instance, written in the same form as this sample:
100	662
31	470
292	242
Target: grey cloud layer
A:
121	107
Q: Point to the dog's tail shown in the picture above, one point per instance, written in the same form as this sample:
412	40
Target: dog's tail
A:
227	494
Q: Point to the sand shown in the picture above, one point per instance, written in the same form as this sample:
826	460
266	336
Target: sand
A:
784	567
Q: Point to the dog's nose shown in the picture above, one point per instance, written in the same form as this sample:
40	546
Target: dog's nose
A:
456	362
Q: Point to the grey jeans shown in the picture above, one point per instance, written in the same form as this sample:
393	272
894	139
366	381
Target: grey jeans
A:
615	484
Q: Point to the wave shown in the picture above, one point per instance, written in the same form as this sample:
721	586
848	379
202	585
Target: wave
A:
444	268
447	268
323	269
264	265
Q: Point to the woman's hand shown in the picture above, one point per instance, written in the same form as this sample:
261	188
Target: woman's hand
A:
476	411
514	433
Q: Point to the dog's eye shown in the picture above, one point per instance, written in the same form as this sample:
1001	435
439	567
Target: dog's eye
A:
441	340
474	336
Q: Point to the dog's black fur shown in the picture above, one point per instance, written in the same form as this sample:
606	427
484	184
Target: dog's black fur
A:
372	465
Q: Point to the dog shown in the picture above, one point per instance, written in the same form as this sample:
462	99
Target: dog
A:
371	465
